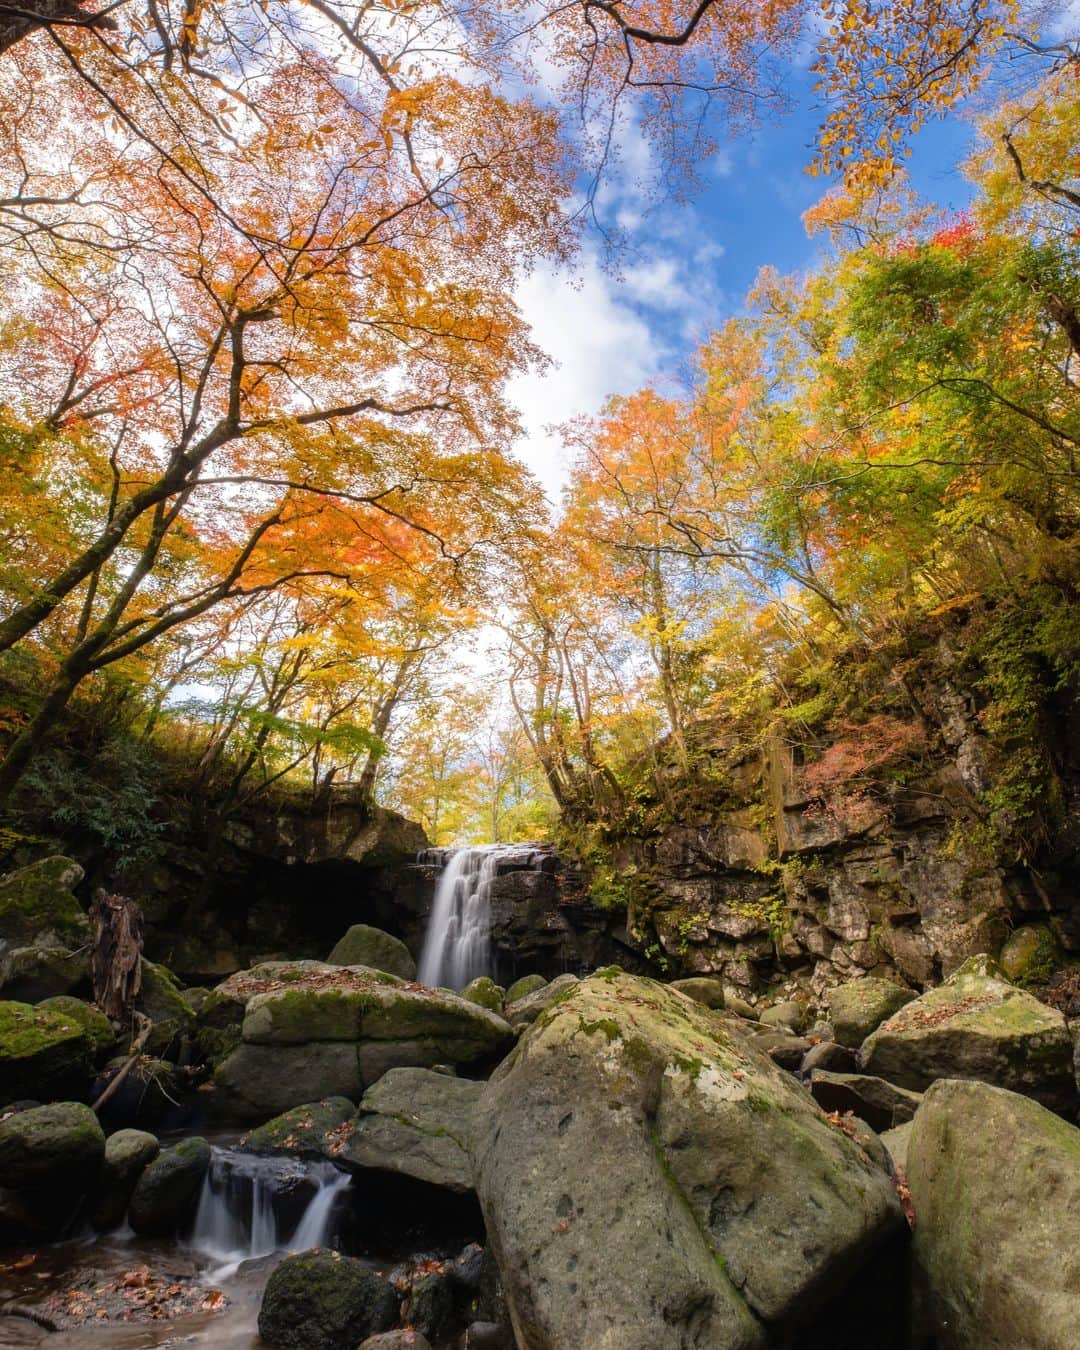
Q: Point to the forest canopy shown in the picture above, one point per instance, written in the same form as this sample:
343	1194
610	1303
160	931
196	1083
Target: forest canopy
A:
257	323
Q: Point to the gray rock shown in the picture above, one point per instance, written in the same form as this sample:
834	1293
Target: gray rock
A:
828	1055
257	1081
324	1301
735	1199
396	1340
788	1015
976	1026
43	970
416	1123
780	1045
366	946
858	1008
127	1154
528	984
995	1181
702	990
881	1104
526	1010
489	1336
896	1142
167	1192
38	907
62	1144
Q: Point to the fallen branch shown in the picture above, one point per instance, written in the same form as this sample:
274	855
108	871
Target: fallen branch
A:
144	1027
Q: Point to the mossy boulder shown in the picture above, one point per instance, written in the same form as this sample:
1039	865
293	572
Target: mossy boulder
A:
363	945
788	1015
218	1020
167	1193
42	1054
127	1155
30	974
484	992
37	904
1030	955
324	1301
98	1028
160	999
255	1082
307	1131
528	984
858	1008
737	1207
976	1026
61	1143
415	1123
995	1181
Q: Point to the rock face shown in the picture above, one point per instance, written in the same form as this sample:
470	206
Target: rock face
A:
882	1105
42	1054
977	1026
312	1030
363	945
738	1208
416	1123
323	1301
995	1180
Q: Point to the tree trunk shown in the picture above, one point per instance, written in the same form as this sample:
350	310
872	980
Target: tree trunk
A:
116	963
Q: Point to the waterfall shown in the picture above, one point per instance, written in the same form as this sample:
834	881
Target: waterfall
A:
252	1206
457	945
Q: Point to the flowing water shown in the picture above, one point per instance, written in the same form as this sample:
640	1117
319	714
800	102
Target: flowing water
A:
253	1206
457	945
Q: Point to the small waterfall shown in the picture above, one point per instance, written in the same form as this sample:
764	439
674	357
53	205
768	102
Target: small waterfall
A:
251	1206
457	945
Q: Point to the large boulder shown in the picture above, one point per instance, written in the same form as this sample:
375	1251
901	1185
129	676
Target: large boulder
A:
859	1007
702	989
522	988
524	1011
416	1123
42	1054
61	1143
37	906
167	1192
978	1026
995	1181
363	945
738	1209
324	1301
314	1031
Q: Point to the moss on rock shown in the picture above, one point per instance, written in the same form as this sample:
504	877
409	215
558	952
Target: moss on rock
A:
42	1053
38	900
98	1028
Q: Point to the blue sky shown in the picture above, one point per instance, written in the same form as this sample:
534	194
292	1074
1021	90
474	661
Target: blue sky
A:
687	267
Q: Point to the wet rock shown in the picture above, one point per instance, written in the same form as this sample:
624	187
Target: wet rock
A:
303	1132
484	992
416	1123
147	1095
526	1010
396	1340
61	1143
995	1181
430	1308
528	984
976	1026
737	1203
127	1154
858	1008
363	945
702	990
324	1301
489	1336
881	1104
167	1192
42	1054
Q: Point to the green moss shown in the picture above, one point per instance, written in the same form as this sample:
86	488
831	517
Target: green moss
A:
97	1026
607	1025
26	1031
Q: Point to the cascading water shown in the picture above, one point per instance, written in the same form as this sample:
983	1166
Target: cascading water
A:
457	945
251	1206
